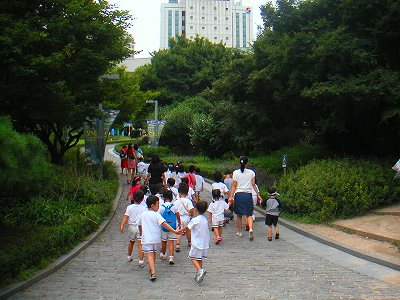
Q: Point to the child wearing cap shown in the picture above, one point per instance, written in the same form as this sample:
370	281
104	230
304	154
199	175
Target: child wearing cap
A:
271	206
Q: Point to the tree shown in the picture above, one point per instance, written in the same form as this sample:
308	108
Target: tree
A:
52	54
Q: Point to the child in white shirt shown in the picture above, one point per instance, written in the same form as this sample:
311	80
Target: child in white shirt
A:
172	188
186	209
190	193
150	222
199	184
170	213
131	215
216	209
201	240
142	170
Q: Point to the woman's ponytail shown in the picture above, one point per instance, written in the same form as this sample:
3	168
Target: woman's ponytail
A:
243	162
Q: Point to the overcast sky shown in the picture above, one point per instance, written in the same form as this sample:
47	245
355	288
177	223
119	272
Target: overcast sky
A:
146	26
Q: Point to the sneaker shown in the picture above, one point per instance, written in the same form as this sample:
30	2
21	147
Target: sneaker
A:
141	263
277	236
269	238
251	235
178	248
163	256
254	217
239	234
201	274
171	260
129	258
153	277
218	241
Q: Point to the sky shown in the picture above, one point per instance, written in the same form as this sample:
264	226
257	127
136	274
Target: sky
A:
146	23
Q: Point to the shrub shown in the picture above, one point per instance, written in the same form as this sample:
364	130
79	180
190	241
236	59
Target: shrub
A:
328	189
25	169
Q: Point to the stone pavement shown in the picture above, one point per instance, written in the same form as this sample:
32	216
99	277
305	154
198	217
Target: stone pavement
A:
293	267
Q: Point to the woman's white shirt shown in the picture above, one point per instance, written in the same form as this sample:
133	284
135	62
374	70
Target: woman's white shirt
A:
244	180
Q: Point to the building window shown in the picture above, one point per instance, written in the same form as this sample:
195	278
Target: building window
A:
191	17
215	8
202	18
226	18
215	37
237	35
227	38
203	27
215	27
176	22
191	7
191	37
227	28
169	26
215	18
191	27
226	8
203	7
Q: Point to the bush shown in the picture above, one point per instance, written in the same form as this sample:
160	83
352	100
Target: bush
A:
25	169
328	189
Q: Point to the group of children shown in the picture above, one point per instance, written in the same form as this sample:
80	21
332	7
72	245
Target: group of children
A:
173	212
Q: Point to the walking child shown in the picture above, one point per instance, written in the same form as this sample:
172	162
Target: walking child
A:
171	215
216	209
150	222
133	188
172	188
131	216
201	240
199	184
272	212
186	210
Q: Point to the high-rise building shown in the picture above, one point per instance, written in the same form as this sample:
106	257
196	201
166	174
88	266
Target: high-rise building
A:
225	21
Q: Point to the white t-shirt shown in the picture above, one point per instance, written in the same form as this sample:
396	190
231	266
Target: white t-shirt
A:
175	193
133	211
143	203
200	232
228	182
243	180
217	209
151	221
184	206
222	187
190	193
142	168
199	183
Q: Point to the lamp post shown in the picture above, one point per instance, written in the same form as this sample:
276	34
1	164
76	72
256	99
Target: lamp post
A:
155	141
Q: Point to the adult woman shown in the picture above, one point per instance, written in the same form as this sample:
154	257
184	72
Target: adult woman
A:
131	163
155	175
242	184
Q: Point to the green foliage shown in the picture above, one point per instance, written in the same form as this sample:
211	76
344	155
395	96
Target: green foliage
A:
328	189
53	53
25	169
52	223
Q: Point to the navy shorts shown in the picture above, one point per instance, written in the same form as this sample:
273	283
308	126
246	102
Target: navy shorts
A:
271	220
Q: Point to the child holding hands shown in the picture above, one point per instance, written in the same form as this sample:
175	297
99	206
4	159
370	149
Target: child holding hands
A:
150	222
200	240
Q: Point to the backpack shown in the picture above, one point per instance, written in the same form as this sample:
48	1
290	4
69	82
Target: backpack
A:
169	217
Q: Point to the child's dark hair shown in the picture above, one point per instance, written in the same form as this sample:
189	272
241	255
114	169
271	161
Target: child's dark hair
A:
197	170
185	180
183	188
135	180
191	168
217	176
138	196
216	194
243	161
167	195
271	190
201	207
228	172
180	168
144	189
171	181
151	200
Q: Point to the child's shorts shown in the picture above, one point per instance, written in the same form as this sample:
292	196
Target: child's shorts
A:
217	224
168	236
149	248
134	233
197	254
271	220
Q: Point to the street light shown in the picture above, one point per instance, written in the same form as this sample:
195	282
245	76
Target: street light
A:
155	141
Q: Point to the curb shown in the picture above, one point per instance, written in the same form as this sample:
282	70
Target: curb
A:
61	261
334	244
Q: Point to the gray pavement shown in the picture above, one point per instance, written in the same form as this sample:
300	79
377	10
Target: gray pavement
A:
293	267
